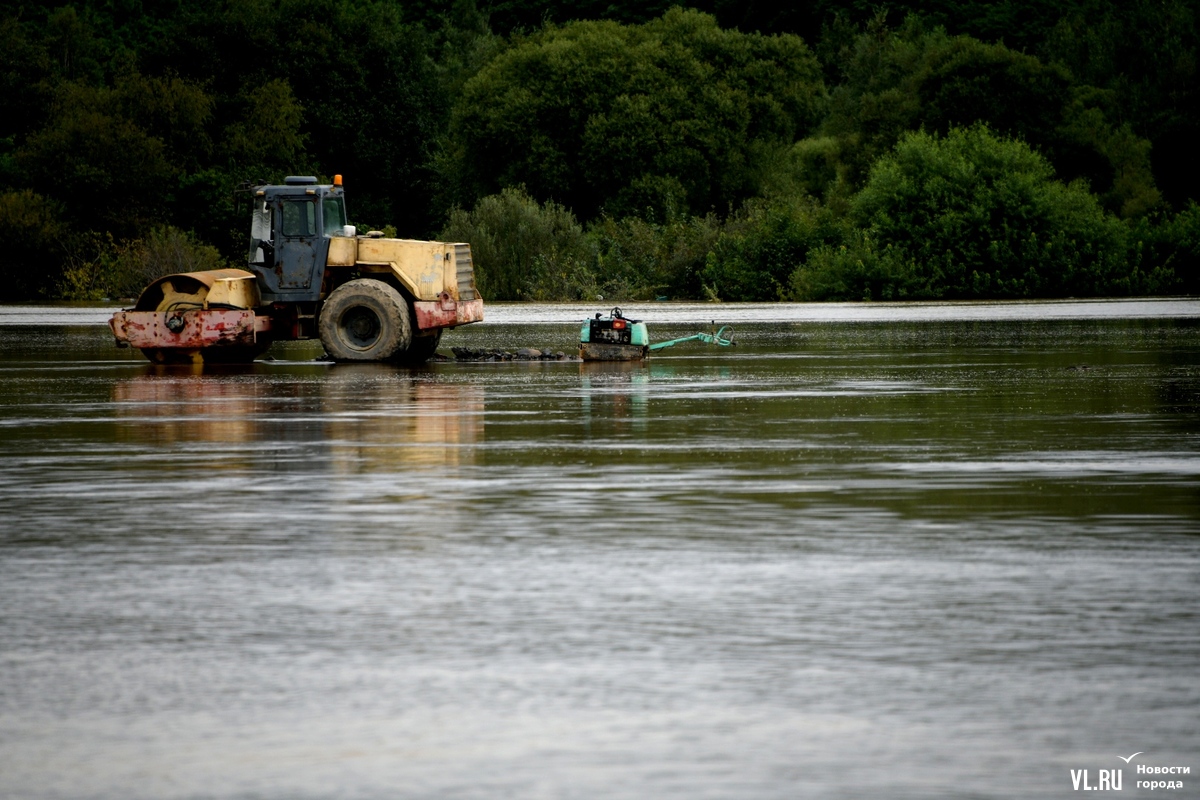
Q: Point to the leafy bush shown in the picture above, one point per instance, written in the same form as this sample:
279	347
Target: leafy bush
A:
30	227
857	269
1174	245
761	246
561	276
979	216
100	267
640	260
523	249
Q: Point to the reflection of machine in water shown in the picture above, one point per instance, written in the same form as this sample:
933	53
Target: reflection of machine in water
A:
616	391
351	419
379	419
189	406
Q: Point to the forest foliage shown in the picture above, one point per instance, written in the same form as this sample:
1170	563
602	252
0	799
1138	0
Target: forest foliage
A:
711	149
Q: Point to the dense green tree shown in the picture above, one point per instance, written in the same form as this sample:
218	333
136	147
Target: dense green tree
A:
110	173
664	117
911	78
370	99
1145	55
30	225
975	215
24	69
352	79
982	216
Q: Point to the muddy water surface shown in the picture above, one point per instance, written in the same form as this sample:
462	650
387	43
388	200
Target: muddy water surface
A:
889	551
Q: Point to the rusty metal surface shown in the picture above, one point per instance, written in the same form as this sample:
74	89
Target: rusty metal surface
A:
603	351
193	329
446	312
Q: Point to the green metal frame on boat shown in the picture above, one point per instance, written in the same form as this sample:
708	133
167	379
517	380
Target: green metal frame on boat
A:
723	337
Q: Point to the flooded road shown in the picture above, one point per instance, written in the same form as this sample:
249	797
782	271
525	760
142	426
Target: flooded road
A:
916	551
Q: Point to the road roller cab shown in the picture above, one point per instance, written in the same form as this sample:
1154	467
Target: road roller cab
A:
291	227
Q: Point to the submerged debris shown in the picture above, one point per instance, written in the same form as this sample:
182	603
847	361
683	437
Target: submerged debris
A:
524	354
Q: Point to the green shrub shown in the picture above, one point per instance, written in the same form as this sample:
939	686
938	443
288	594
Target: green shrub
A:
33	233
99	267
762	246
855	270
560	276
523	249
980	216
1176	246
640	260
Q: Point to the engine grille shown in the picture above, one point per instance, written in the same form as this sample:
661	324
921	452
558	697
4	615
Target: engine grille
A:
466	272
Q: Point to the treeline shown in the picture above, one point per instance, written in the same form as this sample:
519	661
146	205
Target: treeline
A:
629	151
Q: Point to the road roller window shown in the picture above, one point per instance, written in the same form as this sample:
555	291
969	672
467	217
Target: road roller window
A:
299	217
333	210
261	250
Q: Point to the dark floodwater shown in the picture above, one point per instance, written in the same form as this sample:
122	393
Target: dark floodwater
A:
873	551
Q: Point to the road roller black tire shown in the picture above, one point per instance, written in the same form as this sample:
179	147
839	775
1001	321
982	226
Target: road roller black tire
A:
422	349
365	320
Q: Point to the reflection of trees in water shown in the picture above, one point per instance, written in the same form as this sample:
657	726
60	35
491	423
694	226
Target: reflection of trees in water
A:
1179	390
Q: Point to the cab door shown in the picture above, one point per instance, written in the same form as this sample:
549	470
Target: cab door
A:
296	256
